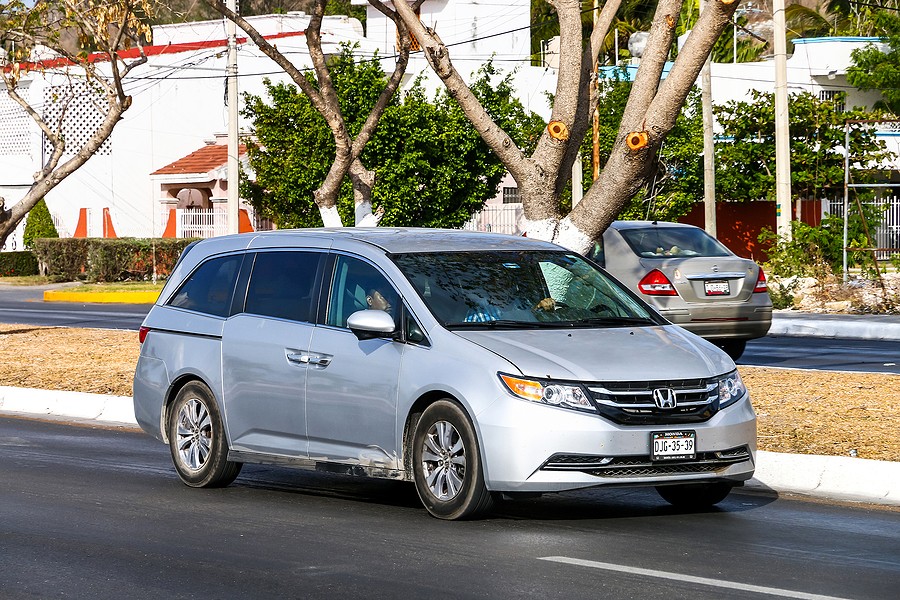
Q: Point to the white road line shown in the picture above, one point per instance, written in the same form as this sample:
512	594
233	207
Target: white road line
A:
731	585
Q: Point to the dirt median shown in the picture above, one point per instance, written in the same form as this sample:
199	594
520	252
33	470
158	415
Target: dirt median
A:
800	412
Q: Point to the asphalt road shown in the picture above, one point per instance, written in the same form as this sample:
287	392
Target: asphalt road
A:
870	356
26	305
97	513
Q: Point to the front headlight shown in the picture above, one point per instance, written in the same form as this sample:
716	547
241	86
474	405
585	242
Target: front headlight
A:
551	393
731	389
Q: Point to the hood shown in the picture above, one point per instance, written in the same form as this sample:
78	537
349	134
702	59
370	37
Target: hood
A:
614	354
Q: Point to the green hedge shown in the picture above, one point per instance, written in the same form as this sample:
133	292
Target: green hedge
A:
104	259
13	264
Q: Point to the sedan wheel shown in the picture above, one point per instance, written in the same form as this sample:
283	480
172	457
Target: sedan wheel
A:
197	439
447	465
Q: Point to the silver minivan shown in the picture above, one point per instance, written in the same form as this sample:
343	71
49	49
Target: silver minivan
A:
475	365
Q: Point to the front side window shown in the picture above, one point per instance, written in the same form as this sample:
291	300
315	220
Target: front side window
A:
282	285
210	288
357	285
519	289
665	242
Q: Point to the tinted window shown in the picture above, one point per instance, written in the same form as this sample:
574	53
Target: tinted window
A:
282	285
357	285
210	288
524	289
663	242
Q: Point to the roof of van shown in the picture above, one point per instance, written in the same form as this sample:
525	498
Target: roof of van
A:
398	240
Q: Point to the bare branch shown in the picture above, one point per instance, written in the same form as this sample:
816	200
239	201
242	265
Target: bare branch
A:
438	57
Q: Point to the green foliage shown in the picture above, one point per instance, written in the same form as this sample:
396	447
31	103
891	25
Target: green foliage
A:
16	264
678	179
39	224
818	251
431	167
745	166
104	259
876	70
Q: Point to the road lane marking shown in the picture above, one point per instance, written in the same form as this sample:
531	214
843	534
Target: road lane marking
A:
731	585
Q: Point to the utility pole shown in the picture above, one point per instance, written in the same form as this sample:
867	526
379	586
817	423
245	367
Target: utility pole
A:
709	149
782	129
231	77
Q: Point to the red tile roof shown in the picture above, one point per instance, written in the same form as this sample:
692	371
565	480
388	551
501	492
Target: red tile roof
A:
203	160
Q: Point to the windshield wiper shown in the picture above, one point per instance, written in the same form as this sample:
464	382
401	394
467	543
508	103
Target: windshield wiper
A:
616	321
501	324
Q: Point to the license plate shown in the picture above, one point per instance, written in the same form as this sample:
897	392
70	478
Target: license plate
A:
673	445
716	288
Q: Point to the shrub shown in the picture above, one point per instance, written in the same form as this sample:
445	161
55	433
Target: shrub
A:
103	259
14	264
39	224
818	251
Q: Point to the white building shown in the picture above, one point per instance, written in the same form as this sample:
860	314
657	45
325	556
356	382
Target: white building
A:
179	101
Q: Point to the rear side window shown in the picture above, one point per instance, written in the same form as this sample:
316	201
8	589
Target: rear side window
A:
283	285
210	288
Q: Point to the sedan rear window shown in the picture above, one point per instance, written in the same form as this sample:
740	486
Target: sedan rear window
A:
665	242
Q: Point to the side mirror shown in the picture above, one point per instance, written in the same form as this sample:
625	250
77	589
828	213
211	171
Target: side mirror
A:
369	324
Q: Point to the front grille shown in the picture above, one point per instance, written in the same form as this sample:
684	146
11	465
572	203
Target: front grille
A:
642	466
632	403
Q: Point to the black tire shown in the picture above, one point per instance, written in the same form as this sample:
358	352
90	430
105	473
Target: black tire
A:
447	464
694	496
733	348
197	439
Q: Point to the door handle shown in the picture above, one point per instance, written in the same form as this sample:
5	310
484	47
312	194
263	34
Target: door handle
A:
302	358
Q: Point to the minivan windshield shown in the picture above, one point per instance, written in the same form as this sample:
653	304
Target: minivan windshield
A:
665	242
520	290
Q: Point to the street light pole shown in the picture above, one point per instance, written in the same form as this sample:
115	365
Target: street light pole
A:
231	77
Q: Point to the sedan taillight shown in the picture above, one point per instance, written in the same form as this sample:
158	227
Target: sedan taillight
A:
761	285
655	283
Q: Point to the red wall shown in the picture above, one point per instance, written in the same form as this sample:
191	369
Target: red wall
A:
738	224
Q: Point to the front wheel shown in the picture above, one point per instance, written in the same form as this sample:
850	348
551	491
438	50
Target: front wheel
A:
197	439
447	464
694	496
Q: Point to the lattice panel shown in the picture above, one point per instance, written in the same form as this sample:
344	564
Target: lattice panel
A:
15	126
84	106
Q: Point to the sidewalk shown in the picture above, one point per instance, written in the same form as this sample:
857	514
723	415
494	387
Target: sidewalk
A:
832	477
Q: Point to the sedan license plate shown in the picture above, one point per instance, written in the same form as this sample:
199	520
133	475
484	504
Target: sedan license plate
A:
716	288
673	445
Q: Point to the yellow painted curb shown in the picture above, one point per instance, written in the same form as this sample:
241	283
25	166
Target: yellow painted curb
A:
104	297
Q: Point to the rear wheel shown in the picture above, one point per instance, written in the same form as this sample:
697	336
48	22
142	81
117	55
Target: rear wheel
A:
197	439
447	464
733	348
694	496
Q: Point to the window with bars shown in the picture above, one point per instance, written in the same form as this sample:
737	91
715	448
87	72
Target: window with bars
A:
81	107
835	96
511	195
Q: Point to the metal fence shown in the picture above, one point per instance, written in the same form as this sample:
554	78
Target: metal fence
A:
887	234
199	222
498	218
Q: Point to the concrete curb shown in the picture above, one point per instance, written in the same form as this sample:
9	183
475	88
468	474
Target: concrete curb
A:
834	477
867	327
101	297
76	405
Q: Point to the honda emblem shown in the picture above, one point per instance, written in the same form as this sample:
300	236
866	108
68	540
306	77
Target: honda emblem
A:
665	398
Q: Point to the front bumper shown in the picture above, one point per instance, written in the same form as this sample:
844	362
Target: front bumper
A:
534	448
